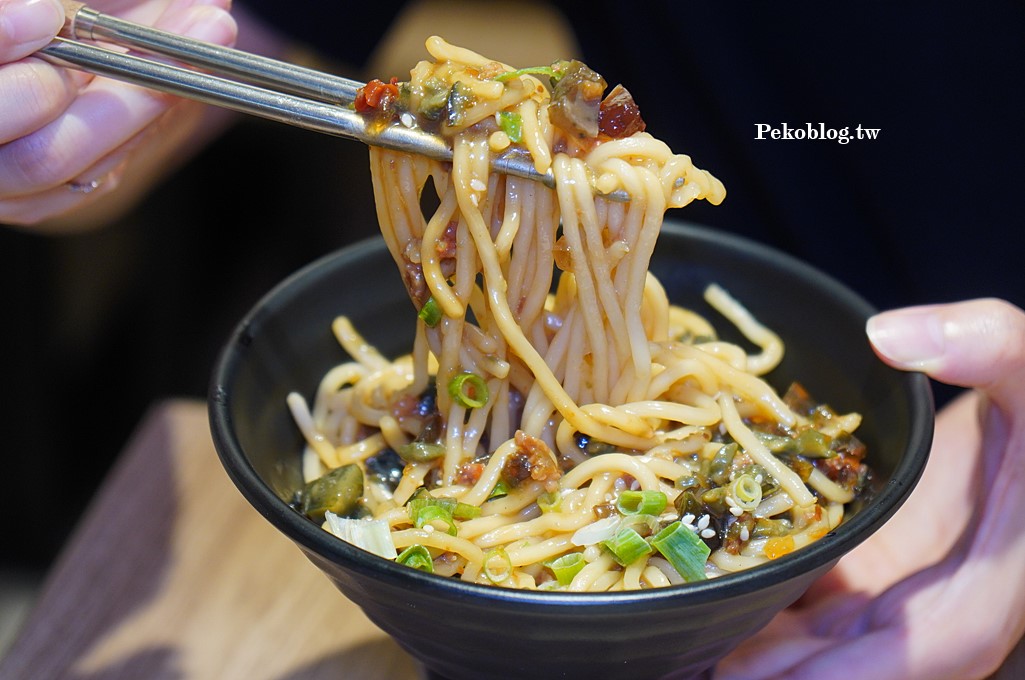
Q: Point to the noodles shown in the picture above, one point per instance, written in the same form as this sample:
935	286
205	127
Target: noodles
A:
558	424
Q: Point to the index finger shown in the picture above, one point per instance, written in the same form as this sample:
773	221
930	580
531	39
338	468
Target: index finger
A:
27	26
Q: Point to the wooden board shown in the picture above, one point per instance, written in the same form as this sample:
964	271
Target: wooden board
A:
174	575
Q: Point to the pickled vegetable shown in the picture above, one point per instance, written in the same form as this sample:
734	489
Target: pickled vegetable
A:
339	491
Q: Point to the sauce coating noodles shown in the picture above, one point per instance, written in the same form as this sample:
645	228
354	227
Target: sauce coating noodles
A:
558	423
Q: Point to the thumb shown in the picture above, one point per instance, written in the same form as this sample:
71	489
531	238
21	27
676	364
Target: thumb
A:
978	344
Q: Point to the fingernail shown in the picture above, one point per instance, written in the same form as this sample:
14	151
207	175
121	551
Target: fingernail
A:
910	338
24	22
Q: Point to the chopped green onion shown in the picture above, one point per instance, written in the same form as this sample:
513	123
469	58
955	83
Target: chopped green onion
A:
641	502
566	567
430	313
530	70
464	511
684	549
511	124
550	502
423	508
420	452
746	492
627	546
419	492
468	390
645	525
423	513
427	509
497	565
418	557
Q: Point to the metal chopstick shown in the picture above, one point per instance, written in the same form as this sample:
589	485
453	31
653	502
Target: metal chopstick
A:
266	88
85	23
243	97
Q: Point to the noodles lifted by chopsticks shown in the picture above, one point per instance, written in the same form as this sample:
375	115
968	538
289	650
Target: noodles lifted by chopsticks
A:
591	438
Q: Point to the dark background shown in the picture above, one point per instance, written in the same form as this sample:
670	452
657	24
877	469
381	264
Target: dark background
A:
98	326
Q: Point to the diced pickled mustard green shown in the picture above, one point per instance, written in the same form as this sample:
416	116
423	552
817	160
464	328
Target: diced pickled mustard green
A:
339	491
420	452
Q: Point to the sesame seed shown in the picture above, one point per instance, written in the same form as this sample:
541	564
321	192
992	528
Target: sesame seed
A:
687	519
703	522
477	185
744	534
707	533
407	119
735	511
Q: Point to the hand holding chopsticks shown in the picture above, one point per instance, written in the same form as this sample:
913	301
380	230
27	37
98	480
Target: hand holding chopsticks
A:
82	135
67	139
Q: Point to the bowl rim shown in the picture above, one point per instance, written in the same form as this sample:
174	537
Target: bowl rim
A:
311	538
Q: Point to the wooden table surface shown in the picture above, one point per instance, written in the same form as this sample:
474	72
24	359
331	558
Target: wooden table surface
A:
173	575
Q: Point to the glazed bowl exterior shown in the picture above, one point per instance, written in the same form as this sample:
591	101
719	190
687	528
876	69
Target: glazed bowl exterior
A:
464	631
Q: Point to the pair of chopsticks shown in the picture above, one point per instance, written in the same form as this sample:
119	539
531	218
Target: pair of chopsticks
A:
242	82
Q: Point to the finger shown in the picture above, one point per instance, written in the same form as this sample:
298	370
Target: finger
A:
877	655
105	116
27	25
961	617
32	95
157	149
934	625
980	344
92	184
777	647
918	536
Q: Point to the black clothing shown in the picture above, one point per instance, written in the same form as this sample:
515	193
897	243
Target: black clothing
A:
926	212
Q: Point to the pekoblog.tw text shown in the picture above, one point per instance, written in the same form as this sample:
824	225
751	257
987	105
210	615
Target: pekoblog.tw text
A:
811	131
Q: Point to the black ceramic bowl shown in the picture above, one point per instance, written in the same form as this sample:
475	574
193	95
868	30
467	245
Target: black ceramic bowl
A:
465	631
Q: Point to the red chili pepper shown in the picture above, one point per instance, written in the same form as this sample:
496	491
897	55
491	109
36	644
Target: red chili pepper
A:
376	95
